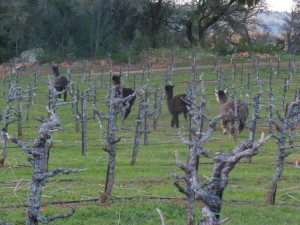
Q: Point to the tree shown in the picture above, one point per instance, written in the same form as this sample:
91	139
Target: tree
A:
291	29
13	25
157	17
236	29
206	13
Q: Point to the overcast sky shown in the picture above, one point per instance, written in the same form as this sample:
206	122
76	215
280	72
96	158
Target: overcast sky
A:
280	5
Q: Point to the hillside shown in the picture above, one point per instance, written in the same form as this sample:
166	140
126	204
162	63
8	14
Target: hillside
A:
273	21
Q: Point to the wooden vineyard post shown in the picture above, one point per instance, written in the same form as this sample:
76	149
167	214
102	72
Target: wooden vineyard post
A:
157	106
84	122
20	109
146	116
78	115
35	84
30	101
82	118
94	100
242	75
233	65
139	128
3	82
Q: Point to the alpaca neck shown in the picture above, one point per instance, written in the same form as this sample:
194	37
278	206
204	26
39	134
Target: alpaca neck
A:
169	95
223	101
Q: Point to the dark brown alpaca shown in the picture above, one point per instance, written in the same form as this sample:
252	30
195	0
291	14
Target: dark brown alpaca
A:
227	106
125	92
61	82
176	105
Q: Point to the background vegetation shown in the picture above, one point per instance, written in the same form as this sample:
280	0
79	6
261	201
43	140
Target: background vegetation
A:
89	29
147	185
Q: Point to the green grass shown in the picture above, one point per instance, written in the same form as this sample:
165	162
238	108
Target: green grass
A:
142	188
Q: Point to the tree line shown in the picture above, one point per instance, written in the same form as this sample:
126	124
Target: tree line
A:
93	28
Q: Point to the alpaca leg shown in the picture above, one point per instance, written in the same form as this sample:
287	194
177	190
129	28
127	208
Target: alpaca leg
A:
223	125
241	126
126	108
127	112
65	96
172	121
128	104
233	131
185	113
176	121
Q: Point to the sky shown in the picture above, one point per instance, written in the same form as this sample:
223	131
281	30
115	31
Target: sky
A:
280	5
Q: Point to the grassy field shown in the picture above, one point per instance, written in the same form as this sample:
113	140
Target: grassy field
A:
148	185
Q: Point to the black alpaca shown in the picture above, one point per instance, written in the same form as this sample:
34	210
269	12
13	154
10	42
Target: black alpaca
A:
125	93
176	105
61	82
227	106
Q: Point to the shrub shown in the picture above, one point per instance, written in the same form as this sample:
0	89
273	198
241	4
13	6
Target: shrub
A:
51	55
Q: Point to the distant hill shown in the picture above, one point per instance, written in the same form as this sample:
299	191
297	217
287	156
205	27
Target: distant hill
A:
273	21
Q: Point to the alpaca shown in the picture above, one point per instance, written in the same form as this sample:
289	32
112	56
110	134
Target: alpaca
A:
61	82
297	163
176	105
227	106
125	92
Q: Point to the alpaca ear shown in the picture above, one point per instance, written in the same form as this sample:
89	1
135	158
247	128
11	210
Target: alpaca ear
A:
217	97
170	84
226	91
216	91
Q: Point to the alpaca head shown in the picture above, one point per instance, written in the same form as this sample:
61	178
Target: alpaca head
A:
169	87
221	96
55	70
116	79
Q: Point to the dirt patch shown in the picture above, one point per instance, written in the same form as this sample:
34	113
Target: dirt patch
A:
260	181
163	60
263	128
177	201
247	55
215	143
77	206
268	128
101	62
43	208
143	181
68	206
104	205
